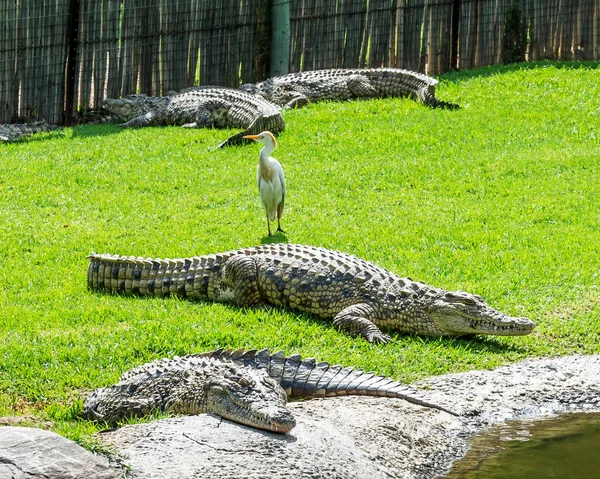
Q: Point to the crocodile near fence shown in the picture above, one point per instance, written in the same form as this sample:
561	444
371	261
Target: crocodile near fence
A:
201	107
298	89
256	107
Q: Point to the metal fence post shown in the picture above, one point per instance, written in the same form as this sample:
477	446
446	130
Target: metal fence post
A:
71	69
454	35
280	44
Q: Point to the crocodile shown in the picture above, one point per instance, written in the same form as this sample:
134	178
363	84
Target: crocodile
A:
356	294
197	107
15	131
249	387
297	89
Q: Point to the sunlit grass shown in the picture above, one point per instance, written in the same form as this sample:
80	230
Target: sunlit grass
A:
499	198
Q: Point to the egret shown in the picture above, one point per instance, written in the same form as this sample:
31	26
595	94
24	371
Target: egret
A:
270	179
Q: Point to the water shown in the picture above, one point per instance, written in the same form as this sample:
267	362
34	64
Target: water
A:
565	447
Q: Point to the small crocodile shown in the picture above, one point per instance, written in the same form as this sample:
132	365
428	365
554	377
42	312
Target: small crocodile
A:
14	131
359	296
201	107
297	89
249	387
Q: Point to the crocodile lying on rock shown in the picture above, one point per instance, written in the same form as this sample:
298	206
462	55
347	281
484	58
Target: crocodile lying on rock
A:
359	296
248	387
298	89
197	107
14	131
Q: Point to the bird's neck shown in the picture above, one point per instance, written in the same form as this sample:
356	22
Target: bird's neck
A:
265	152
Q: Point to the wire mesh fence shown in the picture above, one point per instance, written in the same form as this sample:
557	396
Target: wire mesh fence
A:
61	57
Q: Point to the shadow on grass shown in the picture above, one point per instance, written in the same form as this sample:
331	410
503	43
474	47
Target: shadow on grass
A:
96	130
278	237
477	343
79	131
460	75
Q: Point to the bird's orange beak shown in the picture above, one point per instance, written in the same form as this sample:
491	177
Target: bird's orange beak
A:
252	137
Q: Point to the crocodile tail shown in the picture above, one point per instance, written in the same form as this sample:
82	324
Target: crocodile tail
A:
12	132
306	378
197	277
267	122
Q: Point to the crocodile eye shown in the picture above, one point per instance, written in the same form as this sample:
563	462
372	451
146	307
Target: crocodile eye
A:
269	382
460	298
245	381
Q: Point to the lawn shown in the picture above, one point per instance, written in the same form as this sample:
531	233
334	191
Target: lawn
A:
499	198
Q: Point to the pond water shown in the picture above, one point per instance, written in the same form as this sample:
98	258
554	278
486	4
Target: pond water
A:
564	447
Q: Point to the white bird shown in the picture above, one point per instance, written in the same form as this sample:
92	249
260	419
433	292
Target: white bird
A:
270	179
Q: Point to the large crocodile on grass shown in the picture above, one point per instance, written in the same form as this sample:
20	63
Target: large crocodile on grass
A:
15	131
201	107
298	89
357	295
249	387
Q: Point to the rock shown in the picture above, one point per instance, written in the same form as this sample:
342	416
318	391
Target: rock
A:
346	438
31	453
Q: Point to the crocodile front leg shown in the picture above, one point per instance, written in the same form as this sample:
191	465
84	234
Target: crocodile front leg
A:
355	320
298	100
240	274
140	121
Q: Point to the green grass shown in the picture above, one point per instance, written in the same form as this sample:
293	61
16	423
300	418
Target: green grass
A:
499	198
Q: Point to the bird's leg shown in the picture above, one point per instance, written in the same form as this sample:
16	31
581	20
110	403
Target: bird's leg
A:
279	230
356	319
268	223
279	213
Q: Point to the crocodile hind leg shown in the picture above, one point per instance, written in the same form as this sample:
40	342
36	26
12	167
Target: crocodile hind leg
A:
361	86
211	113
355	320
239	273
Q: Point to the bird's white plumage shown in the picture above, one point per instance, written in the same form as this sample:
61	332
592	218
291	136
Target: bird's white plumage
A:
271	191
270	179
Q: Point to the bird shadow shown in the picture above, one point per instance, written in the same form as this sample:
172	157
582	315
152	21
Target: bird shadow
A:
278	237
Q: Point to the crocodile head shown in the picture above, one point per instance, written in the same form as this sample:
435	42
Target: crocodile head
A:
132	106
249	396
459	314
238	393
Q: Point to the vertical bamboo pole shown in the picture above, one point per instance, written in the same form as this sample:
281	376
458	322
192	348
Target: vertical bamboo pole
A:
399	35
364	39
424	51
596	30
433	41
354	13
194	42
5	32
262	40
99	73
113	86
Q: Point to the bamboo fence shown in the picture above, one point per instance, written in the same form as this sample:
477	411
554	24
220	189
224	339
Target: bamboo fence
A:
61	57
